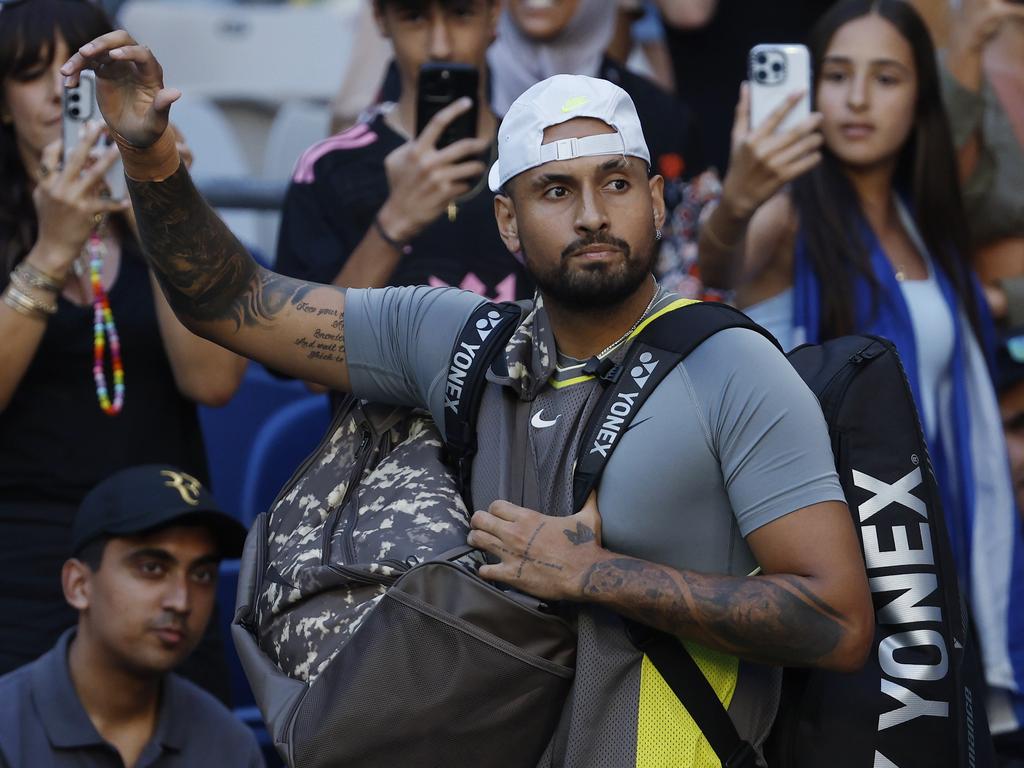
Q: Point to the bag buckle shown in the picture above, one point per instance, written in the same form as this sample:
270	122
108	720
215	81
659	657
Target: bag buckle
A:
743	757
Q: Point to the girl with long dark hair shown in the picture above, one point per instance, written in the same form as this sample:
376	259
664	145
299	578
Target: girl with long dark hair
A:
96	374
852	221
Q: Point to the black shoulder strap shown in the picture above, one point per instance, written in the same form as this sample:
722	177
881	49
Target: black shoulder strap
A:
661	343
481	340
677	667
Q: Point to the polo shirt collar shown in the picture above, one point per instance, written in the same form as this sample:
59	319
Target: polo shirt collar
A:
62	714
64	718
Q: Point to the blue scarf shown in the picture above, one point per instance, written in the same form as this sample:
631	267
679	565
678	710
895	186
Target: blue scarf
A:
977	494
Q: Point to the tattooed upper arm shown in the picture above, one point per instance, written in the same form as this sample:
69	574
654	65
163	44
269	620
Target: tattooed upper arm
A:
218	291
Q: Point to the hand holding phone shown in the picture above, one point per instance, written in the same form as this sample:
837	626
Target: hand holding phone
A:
766	156
65	198
443	162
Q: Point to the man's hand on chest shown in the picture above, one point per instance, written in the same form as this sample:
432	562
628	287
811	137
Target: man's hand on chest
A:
541	555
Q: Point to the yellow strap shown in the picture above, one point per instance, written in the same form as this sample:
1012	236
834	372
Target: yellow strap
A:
666	734
677	304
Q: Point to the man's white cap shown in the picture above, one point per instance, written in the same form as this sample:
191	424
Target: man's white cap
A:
554	101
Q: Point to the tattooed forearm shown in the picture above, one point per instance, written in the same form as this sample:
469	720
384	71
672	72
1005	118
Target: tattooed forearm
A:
206	273
773	619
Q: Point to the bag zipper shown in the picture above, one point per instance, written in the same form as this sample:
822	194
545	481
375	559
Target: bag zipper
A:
364	576
362	456
842	379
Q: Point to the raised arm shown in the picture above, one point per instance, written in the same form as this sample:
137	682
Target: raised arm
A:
732	247
211	282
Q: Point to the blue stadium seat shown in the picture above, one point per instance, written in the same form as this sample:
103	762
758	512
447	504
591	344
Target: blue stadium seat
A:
230	431
284	440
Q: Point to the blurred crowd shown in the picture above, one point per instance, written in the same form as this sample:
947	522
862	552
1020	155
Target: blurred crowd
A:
895	207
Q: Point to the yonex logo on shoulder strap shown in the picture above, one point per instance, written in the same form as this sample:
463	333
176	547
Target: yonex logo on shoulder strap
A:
485	325
621	409
641	373
462	360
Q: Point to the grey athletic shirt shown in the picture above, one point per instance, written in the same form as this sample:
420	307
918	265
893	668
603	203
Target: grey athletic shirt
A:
730	440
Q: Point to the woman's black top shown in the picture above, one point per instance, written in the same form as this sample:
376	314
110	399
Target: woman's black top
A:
55	441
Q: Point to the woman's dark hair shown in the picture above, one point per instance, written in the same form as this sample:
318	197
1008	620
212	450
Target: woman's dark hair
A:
926	171
28	31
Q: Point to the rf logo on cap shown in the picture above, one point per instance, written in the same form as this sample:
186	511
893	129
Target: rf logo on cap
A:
187	486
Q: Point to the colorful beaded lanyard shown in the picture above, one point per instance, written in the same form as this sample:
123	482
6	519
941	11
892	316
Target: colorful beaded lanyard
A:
104	331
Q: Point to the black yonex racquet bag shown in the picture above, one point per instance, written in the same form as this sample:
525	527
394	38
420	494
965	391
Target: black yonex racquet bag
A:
918	701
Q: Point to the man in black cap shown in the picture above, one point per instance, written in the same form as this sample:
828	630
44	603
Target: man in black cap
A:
146	547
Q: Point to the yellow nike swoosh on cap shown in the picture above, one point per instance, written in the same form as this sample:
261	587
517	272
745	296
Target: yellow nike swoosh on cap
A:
574	103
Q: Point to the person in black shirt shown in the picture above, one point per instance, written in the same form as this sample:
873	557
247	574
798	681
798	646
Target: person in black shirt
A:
373	206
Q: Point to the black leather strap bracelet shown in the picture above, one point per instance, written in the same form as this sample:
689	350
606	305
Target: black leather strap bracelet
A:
396	244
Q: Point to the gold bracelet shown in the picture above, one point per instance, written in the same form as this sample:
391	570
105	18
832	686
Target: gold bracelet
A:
26	304
24	285
36	278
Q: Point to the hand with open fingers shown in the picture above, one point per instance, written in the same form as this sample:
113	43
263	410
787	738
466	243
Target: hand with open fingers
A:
540	555
762	161
423	179
982	22
129	87
68	201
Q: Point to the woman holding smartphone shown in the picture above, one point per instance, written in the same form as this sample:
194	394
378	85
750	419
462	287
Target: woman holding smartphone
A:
96	374
851	222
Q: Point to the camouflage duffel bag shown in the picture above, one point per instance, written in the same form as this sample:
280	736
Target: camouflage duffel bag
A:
365	633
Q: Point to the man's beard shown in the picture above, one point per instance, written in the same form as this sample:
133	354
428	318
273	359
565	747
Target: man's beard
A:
589	287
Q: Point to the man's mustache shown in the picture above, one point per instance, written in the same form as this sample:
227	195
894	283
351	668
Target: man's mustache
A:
598	239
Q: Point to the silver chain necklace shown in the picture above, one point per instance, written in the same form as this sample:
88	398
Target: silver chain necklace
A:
611	347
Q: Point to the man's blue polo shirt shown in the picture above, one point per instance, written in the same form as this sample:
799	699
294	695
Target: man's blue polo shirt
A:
43	724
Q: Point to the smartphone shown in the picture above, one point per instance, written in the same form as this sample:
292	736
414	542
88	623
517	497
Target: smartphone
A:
775	71
441	83
79	109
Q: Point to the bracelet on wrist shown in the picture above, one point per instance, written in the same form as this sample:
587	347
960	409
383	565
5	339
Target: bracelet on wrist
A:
398	245
28	305
32	276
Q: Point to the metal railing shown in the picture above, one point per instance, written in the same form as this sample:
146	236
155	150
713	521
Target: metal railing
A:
240	192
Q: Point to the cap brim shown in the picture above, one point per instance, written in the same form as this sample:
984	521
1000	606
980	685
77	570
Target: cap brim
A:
494	177
230	533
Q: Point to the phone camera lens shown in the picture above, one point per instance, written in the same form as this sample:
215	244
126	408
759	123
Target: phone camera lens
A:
74	97
761	58
761	75
777	67
75	111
